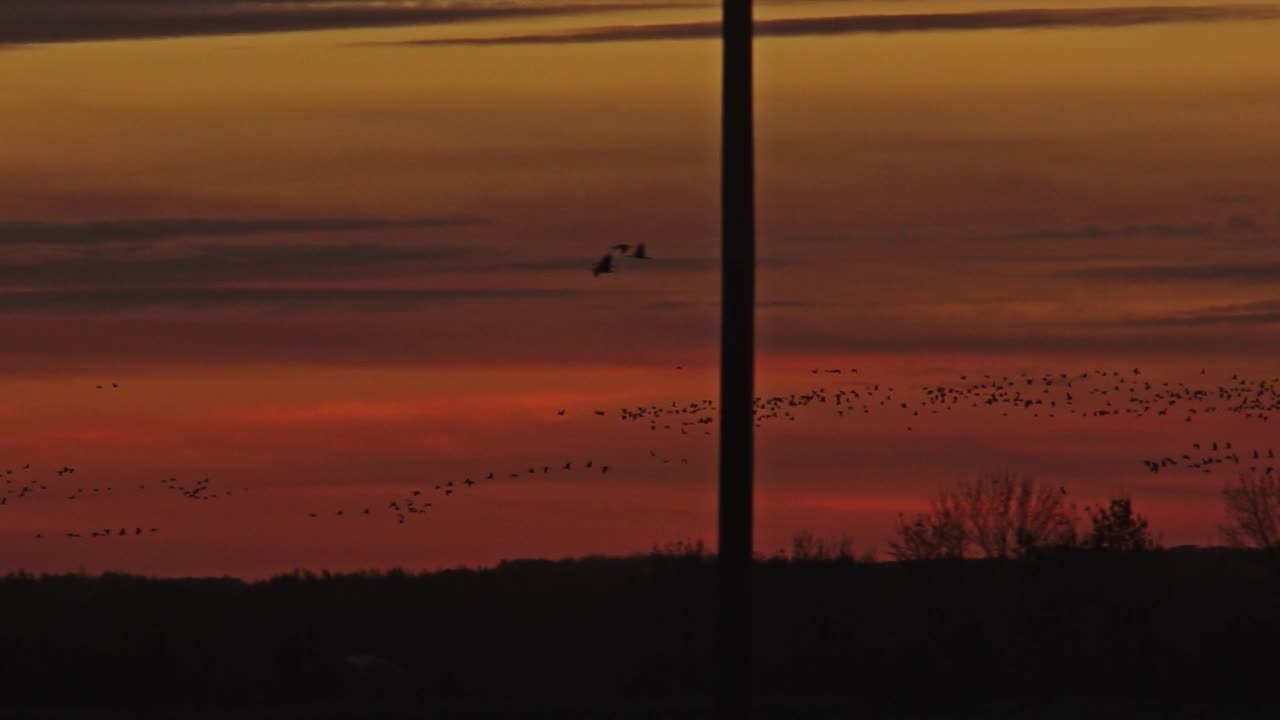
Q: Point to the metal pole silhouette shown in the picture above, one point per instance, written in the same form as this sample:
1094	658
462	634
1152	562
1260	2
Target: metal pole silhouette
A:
737	360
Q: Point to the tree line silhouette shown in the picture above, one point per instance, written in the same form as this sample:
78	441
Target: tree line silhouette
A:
1007	515
1003	593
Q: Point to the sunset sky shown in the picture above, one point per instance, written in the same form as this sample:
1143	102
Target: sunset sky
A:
335	252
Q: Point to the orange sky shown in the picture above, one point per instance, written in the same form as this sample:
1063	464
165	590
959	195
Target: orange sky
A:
931	204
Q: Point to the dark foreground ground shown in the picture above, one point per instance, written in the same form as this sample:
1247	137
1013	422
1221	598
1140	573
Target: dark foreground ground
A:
1170	634
1062	709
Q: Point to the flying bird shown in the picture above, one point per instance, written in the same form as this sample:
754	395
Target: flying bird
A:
604	266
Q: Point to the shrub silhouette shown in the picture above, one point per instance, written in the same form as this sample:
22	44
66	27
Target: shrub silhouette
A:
1117	527
806	546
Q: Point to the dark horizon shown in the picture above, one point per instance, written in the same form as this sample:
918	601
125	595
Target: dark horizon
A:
1164	632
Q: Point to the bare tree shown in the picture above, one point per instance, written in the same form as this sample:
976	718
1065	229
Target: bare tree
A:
936	535
999	515
1253	511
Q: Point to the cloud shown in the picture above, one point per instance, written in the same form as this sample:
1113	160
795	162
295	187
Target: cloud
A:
1132	338
80	265
1234	225
1258	272
19	232
563	328
114	300
656	263
1265	312
916	22
1231	198
710	305
207	252
113	266
51	21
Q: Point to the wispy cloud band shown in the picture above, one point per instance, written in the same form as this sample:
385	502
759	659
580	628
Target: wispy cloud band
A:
891	23
217	262
21	232
111	300
53	21
1238	224
1249	273
1263	312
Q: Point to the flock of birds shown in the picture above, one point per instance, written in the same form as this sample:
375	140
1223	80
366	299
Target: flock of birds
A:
419	502
25	483
1091	395
1207	455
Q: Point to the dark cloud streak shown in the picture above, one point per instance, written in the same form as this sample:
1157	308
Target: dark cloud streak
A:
1250	273
149	230
1238	224
114	300
110	265
916	22
1264	312
54	21
663	264
227	263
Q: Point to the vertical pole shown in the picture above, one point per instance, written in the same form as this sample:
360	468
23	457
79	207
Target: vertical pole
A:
737	361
